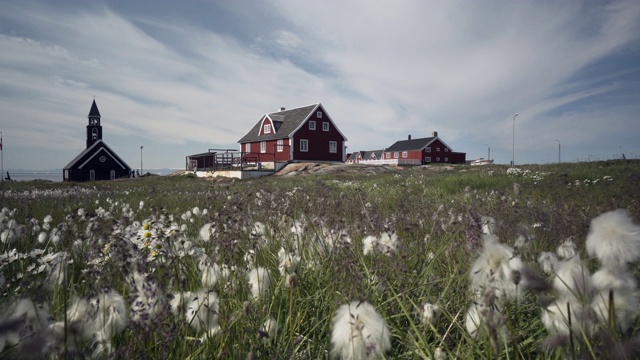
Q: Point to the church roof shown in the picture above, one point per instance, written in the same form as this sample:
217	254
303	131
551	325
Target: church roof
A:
92	151
94	110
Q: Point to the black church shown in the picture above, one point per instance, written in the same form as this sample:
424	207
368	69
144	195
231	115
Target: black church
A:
98	161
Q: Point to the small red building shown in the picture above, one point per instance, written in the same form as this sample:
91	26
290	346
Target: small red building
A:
302	134
423	151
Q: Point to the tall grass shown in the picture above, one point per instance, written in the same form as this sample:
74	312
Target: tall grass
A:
435	214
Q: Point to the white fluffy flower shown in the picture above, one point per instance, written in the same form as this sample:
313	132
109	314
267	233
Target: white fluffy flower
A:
614	238
269	329
359	332
496	268
556	317
573	279
206	231
259	281
548	261
567	249
202	311
288	263
430	313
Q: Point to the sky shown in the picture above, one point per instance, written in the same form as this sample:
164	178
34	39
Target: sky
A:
182	77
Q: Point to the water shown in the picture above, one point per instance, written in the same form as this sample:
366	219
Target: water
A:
35	175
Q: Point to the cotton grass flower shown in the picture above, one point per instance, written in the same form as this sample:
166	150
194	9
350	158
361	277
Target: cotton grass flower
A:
202	311
430	313
359	332
259	282
573	279
548	262
567	249
614	239
288	262
269	329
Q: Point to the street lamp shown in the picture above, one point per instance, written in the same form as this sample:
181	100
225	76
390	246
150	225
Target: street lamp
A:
489	156
141	171
513	145
558	151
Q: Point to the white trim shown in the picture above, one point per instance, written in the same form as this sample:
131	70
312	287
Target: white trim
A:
263	146
280	145
312	122
323	126
95	153
326	115
334	148
306	141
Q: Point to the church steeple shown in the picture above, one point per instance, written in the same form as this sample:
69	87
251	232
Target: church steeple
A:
94	129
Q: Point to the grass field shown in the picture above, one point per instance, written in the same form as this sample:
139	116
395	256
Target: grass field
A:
185	268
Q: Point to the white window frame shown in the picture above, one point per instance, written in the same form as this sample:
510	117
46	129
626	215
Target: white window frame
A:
438	159
446	149
92	175
280	145
437	149
405	154
312	125
427	159
446	159
388	155
263	147
112	174
267	129
428	149
325	126
304	145
333	147
319	114
247	147
395	155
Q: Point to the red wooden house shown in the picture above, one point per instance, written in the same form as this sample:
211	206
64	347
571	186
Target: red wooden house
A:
423	151
302	134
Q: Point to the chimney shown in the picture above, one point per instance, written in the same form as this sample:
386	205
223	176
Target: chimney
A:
282	108
435	133
409	138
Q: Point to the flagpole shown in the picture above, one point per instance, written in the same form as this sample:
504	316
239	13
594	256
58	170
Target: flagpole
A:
1	159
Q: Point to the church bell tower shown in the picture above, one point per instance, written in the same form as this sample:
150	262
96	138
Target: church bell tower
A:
94	129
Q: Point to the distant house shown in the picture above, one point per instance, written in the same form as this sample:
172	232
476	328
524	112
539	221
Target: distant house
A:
302	134
98	161
422	151
366	157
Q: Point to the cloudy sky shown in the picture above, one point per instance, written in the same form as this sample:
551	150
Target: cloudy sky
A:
180	77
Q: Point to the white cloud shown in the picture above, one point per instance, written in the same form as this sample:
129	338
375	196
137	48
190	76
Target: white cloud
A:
383	70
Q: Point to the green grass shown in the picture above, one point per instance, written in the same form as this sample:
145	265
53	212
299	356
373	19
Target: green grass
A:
431	211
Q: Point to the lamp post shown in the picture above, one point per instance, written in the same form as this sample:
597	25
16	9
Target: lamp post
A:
558	151
141	171
513	144
489	155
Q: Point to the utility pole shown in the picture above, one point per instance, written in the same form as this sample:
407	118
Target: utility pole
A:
141	171
559	151
513	145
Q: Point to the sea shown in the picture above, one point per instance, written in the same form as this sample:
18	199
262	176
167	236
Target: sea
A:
56	175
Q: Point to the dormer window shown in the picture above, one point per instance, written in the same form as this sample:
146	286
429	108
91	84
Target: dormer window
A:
267	129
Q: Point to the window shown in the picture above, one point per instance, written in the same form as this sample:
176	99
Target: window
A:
446	159
94	133
446	149
319	114
112	174
427	159
280	145
333	146
438	159
312	125
263	147
405	154
92	175
247	147
388	155
437	149
267	129
304	145
428	149
325	126
395	155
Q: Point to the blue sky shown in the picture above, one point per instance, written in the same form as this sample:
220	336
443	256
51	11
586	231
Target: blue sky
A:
180	77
